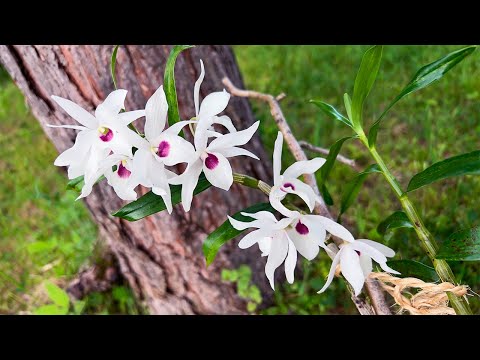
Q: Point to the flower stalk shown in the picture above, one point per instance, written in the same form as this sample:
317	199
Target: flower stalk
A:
427	240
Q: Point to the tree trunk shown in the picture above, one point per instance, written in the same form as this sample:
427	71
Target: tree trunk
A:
160	256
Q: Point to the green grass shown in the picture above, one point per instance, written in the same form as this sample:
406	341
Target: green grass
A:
41	224
440	121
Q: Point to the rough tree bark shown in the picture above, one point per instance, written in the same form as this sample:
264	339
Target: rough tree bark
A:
160	256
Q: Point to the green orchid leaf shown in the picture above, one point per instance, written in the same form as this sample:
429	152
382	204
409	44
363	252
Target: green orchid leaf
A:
424	77
331	158
151	203
326	195
169	83
331	111
113	63
465	164
412	268
463	245
77	183
396	220
353	188
348	105
57	295
227	232
366	75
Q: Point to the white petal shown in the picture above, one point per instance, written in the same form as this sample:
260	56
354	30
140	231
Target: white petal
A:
130	116
278	252
276	203
175	128
351	269
225	121
331	250
277	158
219	174
301	189
290	262
111	106
131	138
262	215
306	244
233	139
155	114
76	127
140	165
331	274
265	244
252	238
317	230
385	250
196	88
235	151
173	149
213	104
160	183
336	229
77	112
304	167
202	134
376	255
189	183
366	264
78	151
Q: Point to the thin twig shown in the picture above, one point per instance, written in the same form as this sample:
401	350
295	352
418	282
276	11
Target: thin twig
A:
321	208
319	150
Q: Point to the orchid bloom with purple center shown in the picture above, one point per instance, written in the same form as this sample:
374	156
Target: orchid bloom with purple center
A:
99	134
161	147
355	259
287	183
273	239
212	158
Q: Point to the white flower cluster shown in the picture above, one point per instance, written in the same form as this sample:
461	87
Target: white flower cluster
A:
281	239
105	147
105	143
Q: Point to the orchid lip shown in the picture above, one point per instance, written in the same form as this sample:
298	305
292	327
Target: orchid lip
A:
122	171
163	149
301	228
106	134
211	161
287	185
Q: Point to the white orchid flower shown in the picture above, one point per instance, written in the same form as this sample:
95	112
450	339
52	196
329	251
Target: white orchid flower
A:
211	106
160	147
308	233
355	259
273	240
212	159
287	183
99	134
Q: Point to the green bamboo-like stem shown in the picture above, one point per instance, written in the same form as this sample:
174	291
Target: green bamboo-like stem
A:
427	240
251	182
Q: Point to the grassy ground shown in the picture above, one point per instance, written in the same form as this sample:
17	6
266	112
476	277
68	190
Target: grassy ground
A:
44	234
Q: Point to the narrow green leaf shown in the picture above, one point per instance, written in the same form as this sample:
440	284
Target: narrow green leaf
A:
348	105
424	77
226	231
463	245
465	164
331	111
169	83
352	189
77	183
150	203
51	309
412	268
331	158
367	73
57	295
113	63
396	220
326	195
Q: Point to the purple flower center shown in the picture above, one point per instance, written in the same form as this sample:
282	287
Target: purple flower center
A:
211	162
288	185
302	229
358	252
123	172
107	135
163	149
